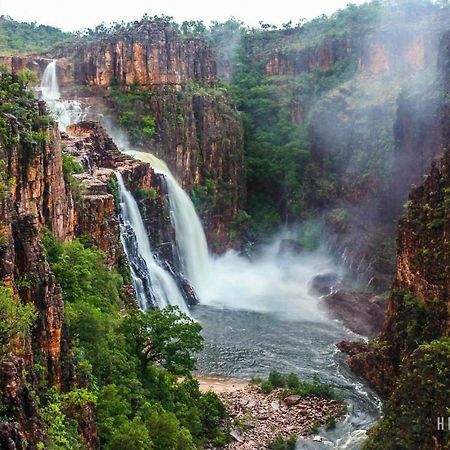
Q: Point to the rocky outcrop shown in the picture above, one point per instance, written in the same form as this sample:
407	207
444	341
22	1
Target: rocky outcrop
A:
150	55
25	424
97	206
361	312
98	215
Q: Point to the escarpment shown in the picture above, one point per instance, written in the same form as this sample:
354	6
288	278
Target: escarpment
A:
162	89
150	55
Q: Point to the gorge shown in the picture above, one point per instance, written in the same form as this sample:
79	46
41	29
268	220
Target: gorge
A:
166	182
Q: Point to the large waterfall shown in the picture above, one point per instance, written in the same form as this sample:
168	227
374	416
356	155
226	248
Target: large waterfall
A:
189	234
154	286
269	282
66	112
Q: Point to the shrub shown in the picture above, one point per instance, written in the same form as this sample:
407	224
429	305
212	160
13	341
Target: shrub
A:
16	319
294	386
283	444
277	379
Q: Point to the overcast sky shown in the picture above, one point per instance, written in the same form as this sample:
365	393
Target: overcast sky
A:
75	14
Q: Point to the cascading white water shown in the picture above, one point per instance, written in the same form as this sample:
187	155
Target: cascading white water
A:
163	287
189	234
66	112
49	83
270	282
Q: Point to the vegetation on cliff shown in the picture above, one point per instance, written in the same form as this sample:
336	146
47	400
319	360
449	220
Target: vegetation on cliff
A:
127	361
25	38
420	397
16	321
409	363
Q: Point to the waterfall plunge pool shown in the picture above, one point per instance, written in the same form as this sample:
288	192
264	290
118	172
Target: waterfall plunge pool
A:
241	344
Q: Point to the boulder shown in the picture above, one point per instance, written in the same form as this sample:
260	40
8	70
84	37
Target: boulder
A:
292	400
361	312
323	284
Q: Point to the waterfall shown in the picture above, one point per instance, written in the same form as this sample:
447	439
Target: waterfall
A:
66	112
189	234
49	83
154	286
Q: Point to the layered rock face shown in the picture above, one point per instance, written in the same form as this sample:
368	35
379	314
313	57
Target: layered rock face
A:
81	205
197	133
98	215
151	55
37	197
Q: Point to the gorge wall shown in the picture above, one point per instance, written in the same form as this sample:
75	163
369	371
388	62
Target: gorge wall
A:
409	362
38	192
155	73
365	102
152	71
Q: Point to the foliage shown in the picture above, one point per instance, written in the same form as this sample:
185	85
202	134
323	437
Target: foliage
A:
16	320
25	38
150	193
62	431
18	103
292	385
421	396
127	359
135	113
283	444
71	166
167	337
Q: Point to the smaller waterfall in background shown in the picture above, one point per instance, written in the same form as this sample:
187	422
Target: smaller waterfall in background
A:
66	112
190	237
154	286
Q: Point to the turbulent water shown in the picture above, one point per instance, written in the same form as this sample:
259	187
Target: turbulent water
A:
190	237
241	343
66	112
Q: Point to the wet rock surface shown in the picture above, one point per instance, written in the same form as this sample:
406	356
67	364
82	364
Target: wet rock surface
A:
258	419
361	312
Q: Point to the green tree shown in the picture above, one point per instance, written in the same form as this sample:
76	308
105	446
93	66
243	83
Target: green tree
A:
16	319
131	435
167	337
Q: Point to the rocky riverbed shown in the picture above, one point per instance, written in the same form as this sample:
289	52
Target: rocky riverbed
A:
258	419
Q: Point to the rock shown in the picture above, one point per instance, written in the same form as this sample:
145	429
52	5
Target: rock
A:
236	435
275	405
292	400
324	283
361	312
